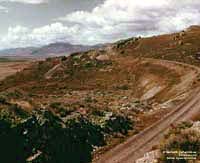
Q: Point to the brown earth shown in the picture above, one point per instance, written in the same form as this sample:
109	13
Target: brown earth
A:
10	68
159	82
168	48
148	70
136	146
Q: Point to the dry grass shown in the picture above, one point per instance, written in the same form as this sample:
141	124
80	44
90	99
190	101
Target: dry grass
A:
10	68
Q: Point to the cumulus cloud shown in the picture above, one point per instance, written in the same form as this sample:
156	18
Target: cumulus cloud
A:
138	17
26	1
20	36
110	21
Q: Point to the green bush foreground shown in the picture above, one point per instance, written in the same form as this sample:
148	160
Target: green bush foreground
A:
44	137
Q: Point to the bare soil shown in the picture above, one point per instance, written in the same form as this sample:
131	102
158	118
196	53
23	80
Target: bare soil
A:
136	146
10	68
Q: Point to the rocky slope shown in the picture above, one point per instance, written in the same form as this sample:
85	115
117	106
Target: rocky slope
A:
116	85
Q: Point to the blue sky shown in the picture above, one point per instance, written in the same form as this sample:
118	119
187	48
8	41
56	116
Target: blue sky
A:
40	22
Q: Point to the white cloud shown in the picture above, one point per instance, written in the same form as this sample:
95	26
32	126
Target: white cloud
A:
26	1
110	21
20	36
116	18
3	9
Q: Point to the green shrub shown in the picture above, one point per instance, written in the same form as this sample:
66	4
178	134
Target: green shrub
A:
63	58
89	99
12	142
55	105
88	65
15	94
184	140
97	112
117	124
18	110
59	142
123	87
3	100
60	109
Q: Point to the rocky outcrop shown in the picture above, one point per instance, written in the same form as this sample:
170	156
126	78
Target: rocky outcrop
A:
150	157
103	58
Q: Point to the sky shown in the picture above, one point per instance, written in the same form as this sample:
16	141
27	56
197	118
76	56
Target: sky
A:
25	23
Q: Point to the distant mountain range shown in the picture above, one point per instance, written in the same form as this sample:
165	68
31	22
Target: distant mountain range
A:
54	49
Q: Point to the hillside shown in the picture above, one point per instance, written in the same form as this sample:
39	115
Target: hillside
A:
182	46
56	49
116	91
51	50
21	52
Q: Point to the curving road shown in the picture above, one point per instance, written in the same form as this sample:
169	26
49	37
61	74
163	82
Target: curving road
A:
136	146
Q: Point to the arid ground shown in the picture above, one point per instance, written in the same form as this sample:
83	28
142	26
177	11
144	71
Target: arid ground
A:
10	68
116	92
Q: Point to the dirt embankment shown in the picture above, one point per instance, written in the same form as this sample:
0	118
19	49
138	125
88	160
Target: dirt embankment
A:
186	88
162	81
136	146
163	84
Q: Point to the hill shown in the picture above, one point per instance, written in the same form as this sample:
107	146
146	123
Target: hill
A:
51	50
119	89
182	46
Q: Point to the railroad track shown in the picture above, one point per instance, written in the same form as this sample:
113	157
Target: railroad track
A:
136	146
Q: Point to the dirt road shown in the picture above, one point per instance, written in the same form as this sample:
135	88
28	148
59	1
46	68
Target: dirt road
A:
136	146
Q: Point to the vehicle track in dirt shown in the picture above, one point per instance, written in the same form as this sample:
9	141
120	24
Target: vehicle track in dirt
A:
137	145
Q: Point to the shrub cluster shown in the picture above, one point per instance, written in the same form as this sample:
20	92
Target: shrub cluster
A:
182	138
45	137
58	142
